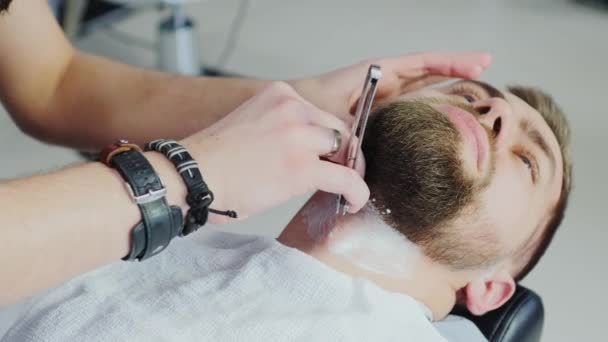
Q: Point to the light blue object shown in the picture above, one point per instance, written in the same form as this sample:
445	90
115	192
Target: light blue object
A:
459	329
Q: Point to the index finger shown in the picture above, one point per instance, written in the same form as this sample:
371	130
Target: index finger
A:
461	64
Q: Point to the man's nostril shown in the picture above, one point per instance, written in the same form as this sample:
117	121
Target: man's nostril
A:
484	110
497	126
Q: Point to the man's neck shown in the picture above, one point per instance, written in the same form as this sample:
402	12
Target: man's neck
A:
364	246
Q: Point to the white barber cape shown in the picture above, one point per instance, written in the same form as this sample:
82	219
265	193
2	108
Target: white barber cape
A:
216	286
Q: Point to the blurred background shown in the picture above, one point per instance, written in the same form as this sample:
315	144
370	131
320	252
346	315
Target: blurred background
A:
559	45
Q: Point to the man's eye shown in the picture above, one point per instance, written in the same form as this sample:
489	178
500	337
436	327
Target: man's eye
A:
469	98
530	165
467	91
526	161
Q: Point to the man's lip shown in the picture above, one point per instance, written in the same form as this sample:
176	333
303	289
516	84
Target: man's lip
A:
471	131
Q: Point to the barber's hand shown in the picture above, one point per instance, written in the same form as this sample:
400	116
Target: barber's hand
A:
338	91
269	150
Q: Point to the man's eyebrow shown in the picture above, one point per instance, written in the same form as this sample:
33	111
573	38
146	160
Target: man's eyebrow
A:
490	90
538	139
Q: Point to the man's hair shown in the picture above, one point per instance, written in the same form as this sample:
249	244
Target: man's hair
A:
556	120
4	4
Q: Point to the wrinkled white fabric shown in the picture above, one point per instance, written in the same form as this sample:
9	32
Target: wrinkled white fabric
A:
223	287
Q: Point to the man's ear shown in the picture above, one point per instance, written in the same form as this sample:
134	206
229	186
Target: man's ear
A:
488	293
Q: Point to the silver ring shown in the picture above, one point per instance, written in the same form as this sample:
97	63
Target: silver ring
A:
336	146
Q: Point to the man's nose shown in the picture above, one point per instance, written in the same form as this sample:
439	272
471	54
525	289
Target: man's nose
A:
496	117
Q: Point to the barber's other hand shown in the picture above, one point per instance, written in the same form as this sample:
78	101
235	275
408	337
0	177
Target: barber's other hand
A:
268	150
338	91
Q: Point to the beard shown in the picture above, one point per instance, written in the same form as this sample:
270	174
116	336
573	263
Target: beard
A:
414	168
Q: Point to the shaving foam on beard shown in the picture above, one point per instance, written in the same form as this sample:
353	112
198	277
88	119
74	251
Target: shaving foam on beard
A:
369	243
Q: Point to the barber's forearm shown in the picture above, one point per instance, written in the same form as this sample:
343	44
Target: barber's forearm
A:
60	95
56	226
100	100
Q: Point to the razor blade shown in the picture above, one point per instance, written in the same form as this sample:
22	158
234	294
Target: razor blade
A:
358	131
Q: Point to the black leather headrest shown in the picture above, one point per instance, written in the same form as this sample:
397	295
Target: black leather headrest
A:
519	320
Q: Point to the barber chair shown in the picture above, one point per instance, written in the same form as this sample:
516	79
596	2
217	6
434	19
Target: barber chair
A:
177	43
519	320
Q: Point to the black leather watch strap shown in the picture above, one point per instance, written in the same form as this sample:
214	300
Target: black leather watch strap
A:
140	249
160	223
139	174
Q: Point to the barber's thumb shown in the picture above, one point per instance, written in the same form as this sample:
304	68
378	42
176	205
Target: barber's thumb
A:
339	179
357	194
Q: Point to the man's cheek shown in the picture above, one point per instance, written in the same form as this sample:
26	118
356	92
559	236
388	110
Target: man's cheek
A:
506	206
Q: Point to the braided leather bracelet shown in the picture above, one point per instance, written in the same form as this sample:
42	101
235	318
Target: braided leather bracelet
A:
199	196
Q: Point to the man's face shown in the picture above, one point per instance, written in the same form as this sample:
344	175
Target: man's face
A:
501	179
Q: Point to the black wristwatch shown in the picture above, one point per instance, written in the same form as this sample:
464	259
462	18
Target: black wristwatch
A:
160	222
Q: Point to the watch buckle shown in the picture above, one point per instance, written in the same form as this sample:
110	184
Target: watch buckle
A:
151	196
